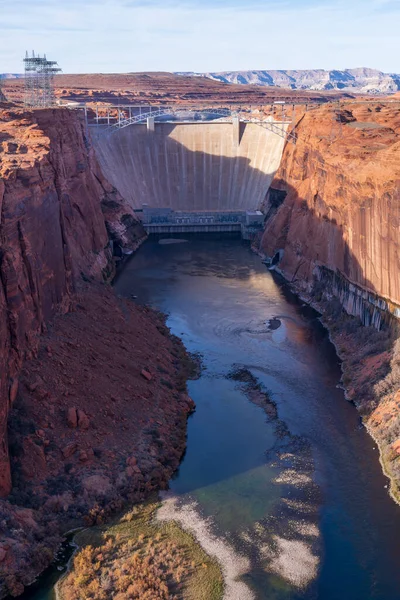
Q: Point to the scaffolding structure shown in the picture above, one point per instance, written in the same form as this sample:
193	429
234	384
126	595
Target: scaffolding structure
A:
39	79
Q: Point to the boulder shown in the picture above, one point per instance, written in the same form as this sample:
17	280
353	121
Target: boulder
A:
185	399
13	390
144	373
69	449
72	418
83	420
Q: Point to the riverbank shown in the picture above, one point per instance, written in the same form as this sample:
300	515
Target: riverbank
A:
298	492
136	556
370	361
372	387
99	421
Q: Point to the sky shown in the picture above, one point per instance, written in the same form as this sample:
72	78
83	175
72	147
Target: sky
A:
201	35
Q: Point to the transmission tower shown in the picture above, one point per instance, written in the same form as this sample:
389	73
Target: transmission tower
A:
39	79
2	96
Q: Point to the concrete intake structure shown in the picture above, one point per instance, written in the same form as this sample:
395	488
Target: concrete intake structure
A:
191	166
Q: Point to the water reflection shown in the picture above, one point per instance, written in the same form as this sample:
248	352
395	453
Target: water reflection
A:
300	496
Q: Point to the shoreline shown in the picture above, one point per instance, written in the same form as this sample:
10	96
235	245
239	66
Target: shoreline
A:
132	531
393	489
392	482
110	424
76	546
232	564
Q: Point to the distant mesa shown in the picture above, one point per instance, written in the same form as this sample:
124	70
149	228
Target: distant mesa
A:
11	75
140	88
361	80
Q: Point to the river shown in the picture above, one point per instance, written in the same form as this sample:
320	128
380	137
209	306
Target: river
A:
301	496
278	472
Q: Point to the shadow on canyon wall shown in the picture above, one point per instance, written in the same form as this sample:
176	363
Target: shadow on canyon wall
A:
312	253
307	238
58	232
54	232
311	245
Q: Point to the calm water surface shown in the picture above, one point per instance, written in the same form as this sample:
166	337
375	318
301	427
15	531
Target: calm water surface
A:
302	496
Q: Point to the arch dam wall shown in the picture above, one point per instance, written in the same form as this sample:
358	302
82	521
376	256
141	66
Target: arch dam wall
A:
191	166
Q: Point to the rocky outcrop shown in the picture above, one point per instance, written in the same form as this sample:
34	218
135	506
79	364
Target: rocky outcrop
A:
334	208
89	432
57	213
362	80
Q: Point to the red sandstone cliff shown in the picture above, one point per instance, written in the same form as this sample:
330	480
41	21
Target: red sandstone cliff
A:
56	208
333	226
342	208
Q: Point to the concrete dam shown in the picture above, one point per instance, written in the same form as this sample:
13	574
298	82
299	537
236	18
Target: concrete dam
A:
190	166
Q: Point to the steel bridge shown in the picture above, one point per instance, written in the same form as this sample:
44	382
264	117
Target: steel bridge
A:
111	119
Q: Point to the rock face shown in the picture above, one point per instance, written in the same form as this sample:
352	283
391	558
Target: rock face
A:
334	208
332	229
57	213
365	81
88	432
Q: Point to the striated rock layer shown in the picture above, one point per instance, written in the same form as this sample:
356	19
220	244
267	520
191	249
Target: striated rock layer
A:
332	229
55	210
361	80
334	207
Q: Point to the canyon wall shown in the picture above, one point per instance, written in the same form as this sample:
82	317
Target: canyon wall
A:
332	229
191	166
333	210
57	214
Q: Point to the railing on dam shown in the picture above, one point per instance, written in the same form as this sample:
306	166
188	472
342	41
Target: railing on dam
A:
111	119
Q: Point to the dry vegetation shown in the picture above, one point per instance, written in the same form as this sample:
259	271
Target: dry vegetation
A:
136	558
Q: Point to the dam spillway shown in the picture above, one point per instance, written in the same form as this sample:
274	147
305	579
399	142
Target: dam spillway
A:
191	166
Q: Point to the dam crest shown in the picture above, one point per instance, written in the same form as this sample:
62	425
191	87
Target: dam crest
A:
216	173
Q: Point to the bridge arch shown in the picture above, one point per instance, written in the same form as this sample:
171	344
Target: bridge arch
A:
122	117
176	112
